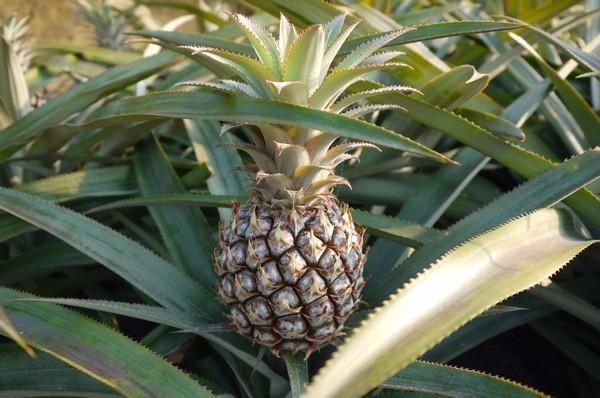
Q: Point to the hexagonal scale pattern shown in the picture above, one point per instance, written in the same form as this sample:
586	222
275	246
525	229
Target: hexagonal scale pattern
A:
291	277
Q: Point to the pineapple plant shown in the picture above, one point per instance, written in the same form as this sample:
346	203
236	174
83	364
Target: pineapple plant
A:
16	51
111	203
291	260
14	31
109	23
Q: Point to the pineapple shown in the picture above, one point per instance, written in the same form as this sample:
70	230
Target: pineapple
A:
14	32
15	57
290	263
109	23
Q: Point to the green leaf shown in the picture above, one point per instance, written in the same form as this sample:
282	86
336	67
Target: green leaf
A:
81	96
543	191
521	109
589	60
497	63
13	87
310	44
552	108
151	274
142	268
251	110
150	313
450	381
436	194
437	30
547	11
341	79
447	90
187	7
100	55
527	164
360	53
248	68
52	377
8	329
263	43
40	260
106	181
569	346
496	125
367	190
97	350
483	328
425	206
584	115
186	321
223	161
563	299
194	39
396	229
453	88
464	283
185	231
297	368
189	199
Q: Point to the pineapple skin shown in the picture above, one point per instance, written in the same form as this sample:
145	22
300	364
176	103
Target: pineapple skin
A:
290	276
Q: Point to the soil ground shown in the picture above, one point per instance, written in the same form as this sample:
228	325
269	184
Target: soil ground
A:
50	20
55	21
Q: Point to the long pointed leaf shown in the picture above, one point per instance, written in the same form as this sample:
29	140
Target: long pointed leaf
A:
142	268
185	231
527	164
250	110
450	381
437	30
297	371
468	280
78	98
405	232
97	350
52	377
542	191
584	115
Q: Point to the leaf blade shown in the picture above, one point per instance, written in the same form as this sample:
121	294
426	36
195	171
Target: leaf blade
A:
185	231
298	372
145	270
81	96
54	377
453	381
542	191
191	105
97	350
485	270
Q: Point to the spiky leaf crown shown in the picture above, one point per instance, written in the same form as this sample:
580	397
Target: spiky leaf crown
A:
109	23
297	165
14	32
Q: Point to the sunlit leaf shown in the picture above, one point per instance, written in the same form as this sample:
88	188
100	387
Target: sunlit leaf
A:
468	280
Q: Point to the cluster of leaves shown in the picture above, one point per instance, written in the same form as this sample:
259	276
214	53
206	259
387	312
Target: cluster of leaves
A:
112	198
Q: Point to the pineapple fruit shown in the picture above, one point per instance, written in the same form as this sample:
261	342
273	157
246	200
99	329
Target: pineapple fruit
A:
290	263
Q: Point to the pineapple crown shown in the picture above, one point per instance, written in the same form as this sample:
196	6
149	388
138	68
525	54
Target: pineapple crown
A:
296	166
14	32
15	57
109	22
